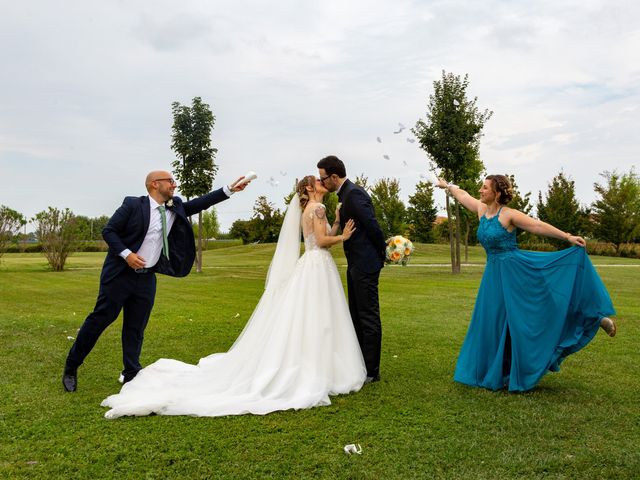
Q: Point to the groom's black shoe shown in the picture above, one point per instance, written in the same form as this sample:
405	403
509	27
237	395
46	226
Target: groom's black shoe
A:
70	382
372	379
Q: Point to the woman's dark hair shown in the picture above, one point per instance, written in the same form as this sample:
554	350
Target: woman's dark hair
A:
501	185
301	189
333	165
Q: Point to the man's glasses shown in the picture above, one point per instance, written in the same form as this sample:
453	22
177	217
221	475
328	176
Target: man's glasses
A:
170	180
322	179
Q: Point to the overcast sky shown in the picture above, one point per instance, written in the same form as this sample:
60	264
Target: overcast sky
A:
86	91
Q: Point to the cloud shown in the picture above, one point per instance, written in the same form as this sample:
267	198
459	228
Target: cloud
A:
87	91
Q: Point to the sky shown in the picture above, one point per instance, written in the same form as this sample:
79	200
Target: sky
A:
86	91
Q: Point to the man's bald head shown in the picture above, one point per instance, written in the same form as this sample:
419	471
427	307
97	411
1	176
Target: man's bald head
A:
156	175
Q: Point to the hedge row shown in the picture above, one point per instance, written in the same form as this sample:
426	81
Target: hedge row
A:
100	246
628	250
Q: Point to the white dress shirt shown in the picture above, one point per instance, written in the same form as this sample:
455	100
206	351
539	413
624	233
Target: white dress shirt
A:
151	247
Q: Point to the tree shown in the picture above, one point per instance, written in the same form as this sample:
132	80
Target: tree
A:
522	203
616	214
561	207
422	213
58	233
266	221
450	135
241	229
468	220
191	141
90	228
390	211
10	223
264	226
210	225
362	181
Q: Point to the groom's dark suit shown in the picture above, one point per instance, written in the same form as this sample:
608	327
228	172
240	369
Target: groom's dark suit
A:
365	252
130	291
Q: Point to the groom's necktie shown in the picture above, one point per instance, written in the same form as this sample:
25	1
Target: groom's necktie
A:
165	238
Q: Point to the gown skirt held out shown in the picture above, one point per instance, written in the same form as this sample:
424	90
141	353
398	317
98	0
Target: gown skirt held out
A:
533	309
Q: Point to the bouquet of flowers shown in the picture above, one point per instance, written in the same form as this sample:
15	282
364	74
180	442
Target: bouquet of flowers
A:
399	250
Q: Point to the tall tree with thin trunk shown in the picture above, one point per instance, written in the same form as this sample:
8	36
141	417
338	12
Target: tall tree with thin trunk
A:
210	225
450	134
194	168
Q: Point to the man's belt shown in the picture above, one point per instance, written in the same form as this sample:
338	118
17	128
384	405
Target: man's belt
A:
144	270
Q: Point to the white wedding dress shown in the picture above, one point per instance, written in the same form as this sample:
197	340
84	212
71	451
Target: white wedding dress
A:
298	347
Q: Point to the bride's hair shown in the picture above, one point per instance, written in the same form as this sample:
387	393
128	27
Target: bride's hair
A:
501	185
301	189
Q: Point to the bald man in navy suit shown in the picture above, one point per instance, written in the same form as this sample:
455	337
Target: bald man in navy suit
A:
135	238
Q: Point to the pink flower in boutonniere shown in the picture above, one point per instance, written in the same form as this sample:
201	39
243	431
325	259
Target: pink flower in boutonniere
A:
169	203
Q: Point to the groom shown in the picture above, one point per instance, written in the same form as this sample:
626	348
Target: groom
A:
365	252
145	235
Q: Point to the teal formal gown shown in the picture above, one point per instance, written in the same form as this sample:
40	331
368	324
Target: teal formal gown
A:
533	310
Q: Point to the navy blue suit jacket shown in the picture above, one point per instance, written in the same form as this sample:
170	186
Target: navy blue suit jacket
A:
366	248
129	224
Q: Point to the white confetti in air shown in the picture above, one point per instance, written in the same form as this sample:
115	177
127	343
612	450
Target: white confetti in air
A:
70	338
386	157
379	139
401	127
456	102
411	140
273	182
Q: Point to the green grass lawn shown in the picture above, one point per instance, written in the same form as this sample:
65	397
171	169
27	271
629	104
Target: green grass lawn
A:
583	422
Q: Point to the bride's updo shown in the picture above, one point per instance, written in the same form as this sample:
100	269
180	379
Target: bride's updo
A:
301	189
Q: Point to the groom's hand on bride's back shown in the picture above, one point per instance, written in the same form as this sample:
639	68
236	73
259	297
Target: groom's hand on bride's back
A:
348	229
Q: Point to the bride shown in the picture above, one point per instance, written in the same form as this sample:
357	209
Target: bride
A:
298	347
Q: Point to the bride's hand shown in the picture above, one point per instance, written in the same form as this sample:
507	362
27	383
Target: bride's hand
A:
348	229
442	183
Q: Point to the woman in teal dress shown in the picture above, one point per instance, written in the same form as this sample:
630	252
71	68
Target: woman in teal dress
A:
533	309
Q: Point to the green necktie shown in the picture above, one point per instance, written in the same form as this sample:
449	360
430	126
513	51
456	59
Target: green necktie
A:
165	238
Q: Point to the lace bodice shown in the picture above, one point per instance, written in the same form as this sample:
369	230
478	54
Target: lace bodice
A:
494	237
309	216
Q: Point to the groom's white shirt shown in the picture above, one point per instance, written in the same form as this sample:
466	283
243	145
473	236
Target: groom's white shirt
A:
151	247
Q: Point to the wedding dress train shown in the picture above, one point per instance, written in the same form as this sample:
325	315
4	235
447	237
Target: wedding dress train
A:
298	347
